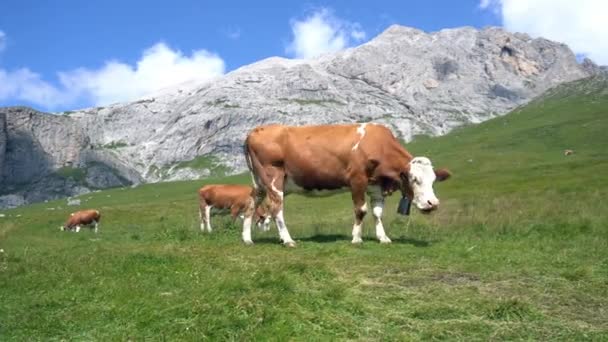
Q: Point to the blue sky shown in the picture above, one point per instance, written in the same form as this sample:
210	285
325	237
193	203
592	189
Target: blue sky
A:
58	55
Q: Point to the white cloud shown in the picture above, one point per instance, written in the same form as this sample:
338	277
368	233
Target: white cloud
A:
358	35
485	4
159	67
233	33
2	40
580	24
25	85
322	32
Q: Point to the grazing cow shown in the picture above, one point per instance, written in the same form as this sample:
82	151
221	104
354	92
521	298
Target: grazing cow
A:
235	197
364	157
82	218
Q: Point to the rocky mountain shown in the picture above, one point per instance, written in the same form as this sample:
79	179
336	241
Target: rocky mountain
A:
415	82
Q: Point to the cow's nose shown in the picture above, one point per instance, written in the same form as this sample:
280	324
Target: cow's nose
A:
433	204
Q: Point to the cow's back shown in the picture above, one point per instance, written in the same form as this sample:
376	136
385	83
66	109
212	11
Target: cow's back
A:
83	217
323	156
225	195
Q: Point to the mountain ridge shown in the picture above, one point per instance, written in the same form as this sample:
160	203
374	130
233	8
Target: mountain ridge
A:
414	82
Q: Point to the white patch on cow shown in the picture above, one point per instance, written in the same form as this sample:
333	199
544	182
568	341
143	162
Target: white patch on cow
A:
377	211
421	179
266	225
247	231
361	132
208	217
277	191
283	232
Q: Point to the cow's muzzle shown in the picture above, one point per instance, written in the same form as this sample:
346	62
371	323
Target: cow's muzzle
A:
430	207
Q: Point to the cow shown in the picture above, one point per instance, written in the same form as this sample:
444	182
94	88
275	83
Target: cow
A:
88	217
366	157
235	197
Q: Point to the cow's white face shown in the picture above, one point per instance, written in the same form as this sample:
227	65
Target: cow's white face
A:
421	178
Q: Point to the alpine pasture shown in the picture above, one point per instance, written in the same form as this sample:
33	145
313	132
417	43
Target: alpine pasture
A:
518	250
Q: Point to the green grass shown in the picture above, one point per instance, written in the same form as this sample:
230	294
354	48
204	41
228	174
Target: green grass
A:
314	102
113	145
75	173
210	162
79	174
518	251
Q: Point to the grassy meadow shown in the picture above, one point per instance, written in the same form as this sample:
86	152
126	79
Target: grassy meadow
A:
517	251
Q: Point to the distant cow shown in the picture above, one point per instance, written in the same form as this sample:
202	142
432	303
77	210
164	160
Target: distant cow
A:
82	218
363	157
237	198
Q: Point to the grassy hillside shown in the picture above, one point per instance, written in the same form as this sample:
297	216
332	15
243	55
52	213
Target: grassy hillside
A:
519	250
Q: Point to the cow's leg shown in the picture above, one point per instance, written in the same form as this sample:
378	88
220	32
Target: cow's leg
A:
378	206
377	200
360	207
248	213
78	229
266	224
262	221
201	216
275	196
96	226
269	184
208	217
250	207
234	211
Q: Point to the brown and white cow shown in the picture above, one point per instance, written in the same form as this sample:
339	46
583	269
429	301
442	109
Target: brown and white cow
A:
88	217
364	157
237	198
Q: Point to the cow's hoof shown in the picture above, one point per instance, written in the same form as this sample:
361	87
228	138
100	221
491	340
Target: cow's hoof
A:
290	244
385	240
357	241
248	242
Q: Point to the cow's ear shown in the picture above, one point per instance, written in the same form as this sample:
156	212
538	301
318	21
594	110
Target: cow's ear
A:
442	174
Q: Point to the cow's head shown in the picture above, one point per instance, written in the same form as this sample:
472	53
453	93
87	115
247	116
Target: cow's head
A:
418	183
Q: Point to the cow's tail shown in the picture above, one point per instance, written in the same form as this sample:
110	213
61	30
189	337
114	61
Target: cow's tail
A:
255	169
249	163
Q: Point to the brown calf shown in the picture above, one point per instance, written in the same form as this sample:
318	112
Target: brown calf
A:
237	198
88	217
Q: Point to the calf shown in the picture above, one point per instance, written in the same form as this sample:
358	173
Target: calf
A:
237	198
82	218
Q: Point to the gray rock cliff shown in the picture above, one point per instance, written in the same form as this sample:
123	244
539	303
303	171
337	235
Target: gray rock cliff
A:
415	82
